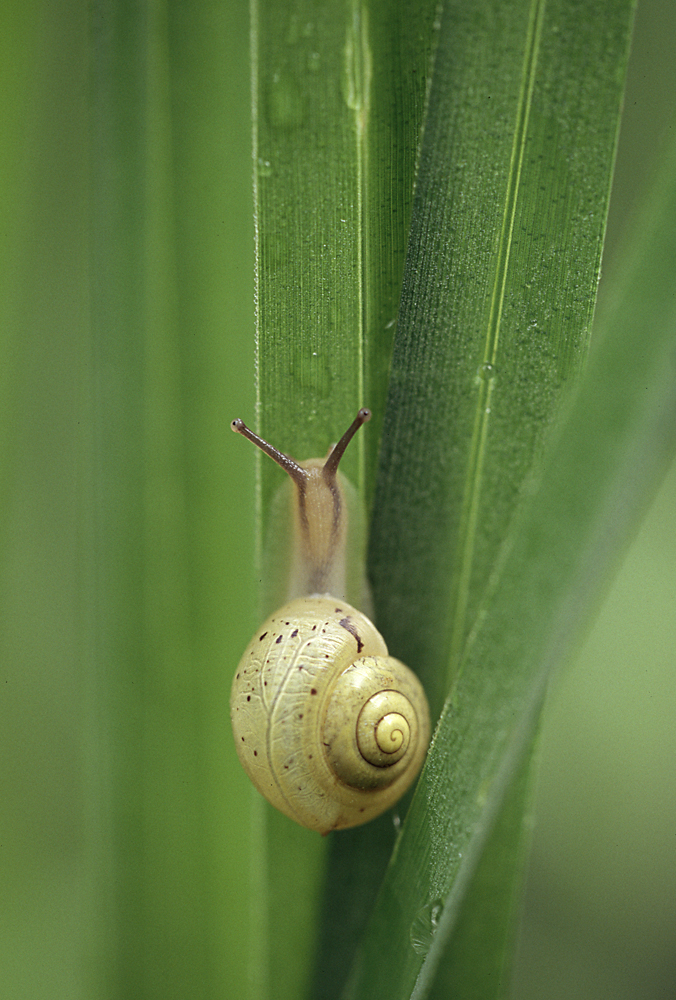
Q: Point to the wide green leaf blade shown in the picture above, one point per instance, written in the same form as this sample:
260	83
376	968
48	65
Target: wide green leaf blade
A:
488	330
618	434
498	297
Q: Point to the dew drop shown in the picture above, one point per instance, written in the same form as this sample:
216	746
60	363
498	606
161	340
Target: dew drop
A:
424	926
486	372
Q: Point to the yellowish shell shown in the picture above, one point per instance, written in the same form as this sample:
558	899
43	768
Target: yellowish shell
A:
328	727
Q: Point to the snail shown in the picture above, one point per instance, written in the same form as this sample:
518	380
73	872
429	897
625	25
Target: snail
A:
329	727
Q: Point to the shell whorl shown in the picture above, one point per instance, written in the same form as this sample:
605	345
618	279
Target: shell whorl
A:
383	728
374	730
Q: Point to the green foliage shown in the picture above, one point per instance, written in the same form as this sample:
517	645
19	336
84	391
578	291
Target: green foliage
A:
430	202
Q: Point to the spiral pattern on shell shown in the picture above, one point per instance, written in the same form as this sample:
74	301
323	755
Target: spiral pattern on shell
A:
383	729
329	728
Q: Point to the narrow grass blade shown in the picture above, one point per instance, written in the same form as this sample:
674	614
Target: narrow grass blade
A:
339	94
478	962
161	591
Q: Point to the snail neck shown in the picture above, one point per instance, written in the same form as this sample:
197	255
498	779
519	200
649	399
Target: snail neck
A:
320	516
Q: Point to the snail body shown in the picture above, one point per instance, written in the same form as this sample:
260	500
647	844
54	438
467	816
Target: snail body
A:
329	727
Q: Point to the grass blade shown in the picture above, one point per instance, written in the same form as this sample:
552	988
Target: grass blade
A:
158	570
339	93
497	303
612	448
489	331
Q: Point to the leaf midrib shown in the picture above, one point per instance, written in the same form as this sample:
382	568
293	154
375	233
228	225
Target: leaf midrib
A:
468	524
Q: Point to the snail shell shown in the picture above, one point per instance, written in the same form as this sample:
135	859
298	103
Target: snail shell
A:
328	727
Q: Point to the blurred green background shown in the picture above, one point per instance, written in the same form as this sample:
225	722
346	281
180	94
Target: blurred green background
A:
600	913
